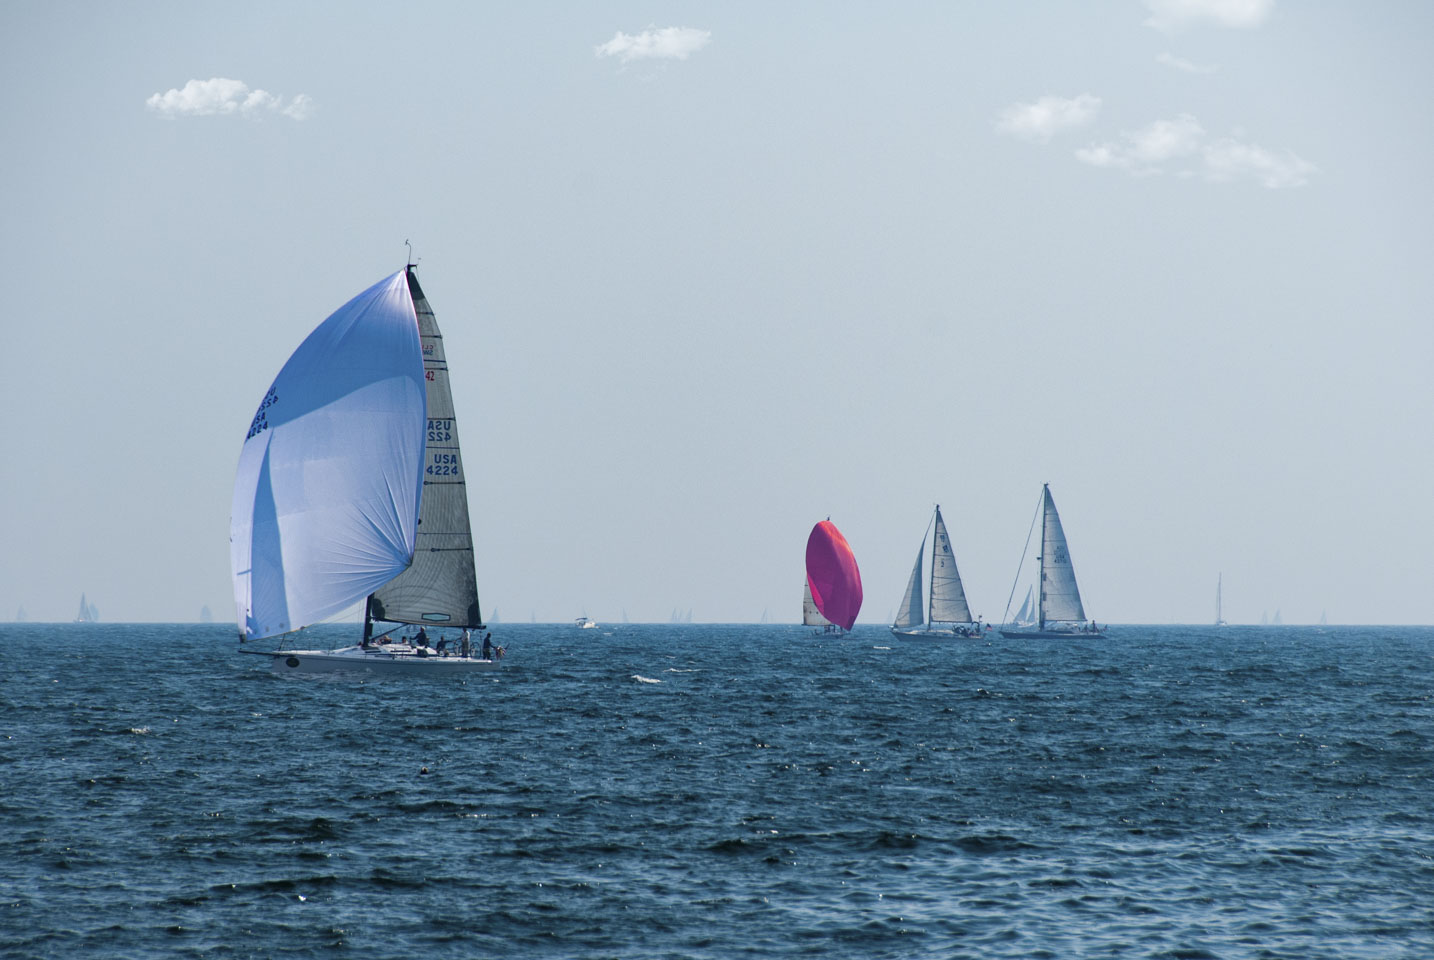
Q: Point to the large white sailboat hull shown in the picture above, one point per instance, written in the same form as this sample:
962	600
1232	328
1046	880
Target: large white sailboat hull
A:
376	661
937	633
1035	633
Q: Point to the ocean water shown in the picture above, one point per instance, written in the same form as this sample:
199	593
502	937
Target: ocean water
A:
724	791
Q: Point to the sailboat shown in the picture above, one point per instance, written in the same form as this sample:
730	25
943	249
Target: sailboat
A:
1027	614
947	614
833	588
1059	612
88	613
351	488
1219	611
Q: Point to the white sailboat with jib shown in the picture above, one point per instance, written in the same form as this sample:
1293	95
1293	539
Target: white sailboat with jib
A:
351	488
946	613
1059	612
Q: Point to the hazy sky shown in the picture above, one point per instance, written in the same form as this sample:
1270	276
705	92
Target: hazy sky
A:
711	272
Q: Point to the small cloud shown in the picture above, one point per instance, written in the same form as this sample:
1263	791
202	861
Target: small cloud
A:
1231	160
1144	151
1169	16
1040	121
1179	63
219	96
1180	147
667	43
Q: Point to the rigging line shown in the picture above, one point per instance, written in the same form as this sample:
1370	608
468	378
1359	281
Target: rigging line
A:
1006	617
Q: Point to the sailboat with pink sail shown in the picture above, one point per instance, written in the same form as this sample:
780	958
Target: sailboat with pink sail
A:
833	588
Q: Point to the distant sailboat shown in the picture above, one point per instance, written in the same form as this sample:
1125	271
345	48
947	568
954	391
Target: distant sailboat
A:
20	615
88	613
586	623
1278	621
204	614
493	617
946	614
1322	621
350	487
1219	610
1059	612
833	587
1027	614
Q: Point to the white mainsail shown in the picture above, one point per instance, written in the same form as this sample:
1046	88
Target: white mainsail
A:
326	496
948	597
910	613
811	616
440	586
1060	597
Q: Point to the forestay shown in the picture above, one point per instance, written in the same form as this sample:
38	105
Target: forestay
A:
327	492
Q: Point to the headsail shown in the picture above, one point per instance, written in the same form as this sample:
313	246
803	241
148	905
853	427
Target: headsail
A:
910	613
441	585
948	597
832	575
327	492
1060	597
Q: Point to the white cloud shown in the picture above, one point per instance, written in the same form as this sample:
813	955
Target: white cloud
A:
1179	63
667	43
1180	147
1145	151
220	96
1168	16
1231	160
1040	121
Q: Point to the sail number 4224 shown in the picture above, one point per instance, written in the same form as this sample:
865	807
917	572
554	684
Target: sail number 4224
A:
443	465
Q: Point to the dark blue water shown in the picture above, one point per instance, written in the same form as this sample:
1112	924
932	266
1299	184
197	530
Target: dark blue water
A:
698	791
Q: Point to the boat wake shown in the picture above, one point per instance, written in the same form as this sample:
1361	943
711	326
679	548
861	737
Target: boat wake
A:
641	679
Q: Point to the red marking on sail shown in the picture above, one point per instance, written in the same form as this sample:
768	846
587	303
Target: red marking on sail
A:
832	575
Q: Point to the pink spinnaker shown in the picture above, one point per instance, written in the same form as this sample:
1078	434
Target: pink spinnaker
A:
832	575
